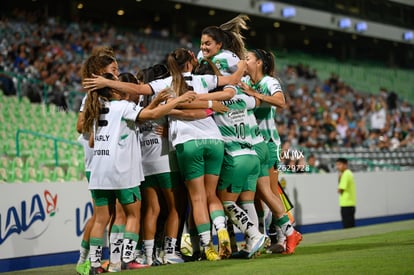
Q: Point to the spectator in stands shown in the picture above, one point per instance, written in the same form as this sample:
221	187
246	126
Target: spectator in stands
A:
6	84
378	114
346	191
313	139
332	141
342	127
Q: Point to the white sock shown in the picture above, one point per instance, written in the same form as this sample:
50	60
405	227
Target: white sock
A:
219	219
115	246
84	254
95	254
205	238
250	209
149	249
128	250
240	219
169	245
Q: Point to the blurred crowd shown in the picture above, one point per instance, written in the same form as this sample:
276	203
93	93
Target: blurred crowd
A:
331	114
321	113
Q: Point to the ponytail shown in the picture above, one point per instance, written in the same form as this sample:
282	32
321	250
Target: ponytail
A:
93	105
176	62
229	34
92	111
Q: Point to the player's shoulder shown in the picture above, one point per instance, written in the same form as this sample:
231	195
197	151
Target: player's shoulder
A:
273	83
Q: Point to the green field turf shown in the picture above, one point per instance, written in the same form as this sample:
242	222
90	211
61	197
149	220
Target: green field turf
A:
378	249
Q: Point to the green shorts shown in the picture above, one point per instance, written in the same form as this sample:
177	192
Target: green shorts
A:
108	197
200	157
262	152
163	180
274	153
88	175
239	173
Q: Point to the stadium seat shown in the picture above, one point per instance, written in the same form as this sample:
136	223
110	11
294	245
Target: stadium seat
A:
57	174
17	162
31	174
3	175
31	162
72	174
4	162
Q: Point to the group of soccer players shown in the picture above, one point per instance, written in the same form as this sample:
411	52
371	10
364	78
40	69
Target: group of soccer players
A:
206	132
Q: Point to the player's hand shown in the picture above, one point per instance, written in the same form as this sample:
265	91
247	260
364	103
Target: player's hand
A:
242	64
161	131
187	97
94	83
162	96
218	107
247	89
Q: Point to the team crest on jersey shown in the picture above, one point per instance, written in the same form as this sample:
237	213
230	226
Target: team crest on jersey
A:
218	64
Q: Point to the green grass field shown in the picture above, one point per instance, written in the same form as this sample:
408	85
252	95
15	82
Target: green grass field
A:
378	249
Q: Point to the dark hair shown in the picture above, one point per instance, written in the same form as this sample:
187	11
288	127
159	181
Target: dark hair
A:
127	77
229	34
268	60
342	160
205	66
155	72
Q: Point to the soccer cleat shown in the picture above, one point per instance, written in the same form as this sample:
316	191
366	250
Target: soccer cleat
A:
140	257
292	241
114	267
97	270
154	262
196	256
224	243
83	269
132	265
255	243
211	253
172	258
279	246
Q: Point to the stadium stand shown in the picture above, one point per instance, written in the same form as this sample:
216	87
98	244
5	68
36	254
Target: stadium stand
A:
38	142
332	106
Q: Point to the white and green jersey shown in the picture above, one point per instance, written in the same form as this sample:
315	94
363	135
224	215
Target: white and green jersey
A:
83	139
225	61
155	148
266	113
234	125
116	162
181	131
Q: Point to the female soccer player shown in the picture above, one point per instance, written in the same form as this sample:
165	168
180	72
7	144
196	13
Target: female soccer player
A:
116	164
161	182
224	45
101	61
181	62
262	84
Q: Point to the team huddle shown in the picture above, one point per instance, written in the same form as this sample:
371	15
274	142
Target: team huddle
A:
195	142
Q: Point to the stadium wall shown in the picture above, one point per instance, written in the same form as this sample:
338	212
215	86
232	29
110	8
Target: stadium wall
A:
41	224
